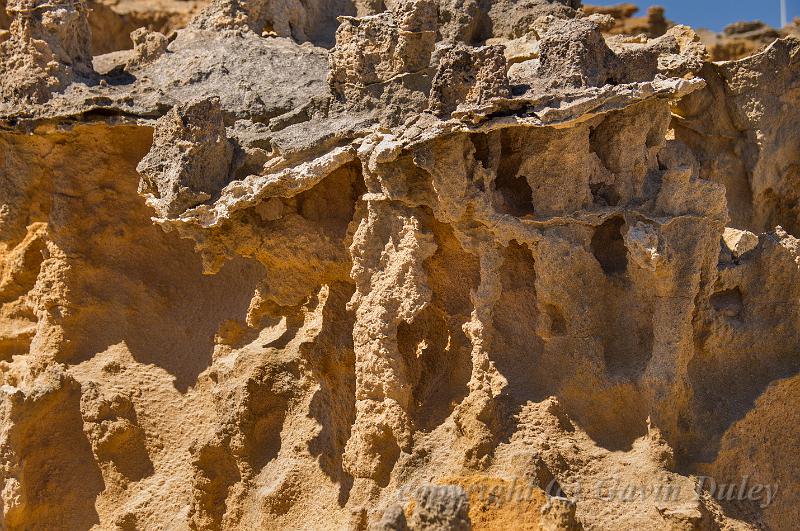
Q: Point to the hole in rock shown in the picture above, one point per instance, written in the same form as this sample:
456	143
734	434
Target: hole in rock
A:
332	202
779	209
558	325
516	193
604	194
728	302
608	246
598	144
483	152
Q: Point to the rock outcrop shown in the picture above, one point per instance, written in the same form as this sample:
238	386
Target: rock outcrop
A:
48	48
427	264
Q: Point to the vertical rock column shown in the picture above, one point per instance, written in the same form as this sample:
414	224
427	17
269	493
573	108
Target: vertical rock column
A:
388	251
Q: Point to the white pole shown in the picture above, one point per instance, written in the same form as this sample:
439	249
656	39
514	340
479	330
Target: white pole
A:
784	22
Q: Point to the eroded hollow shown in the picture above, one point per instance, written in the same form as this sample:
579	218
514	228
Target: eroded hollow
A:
434	344
516	347
608	246
331	203
558	325
514	191
728	302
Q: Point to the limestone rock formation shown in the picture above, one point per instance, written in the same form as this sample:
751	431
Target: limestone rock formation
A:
421	264
468	76
48	48
112	21
735	41
190	157
653	24
147	47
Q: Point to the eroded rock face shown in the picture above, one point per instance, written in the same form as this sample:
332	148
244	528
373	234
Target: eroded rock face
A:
469	76
112	21
190	158
452	265
48	48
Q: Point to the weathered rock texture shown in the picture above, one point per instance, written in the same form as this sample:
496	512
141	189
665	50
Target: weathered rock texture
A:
112	21
736	41
427	265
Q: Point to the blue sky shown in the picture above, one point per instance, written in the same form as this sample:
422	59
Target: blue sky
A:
716	14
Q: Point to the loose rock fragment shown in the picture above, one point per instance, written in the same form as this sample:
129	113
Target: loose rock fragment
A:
190	158
147	47
739	242
442	508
